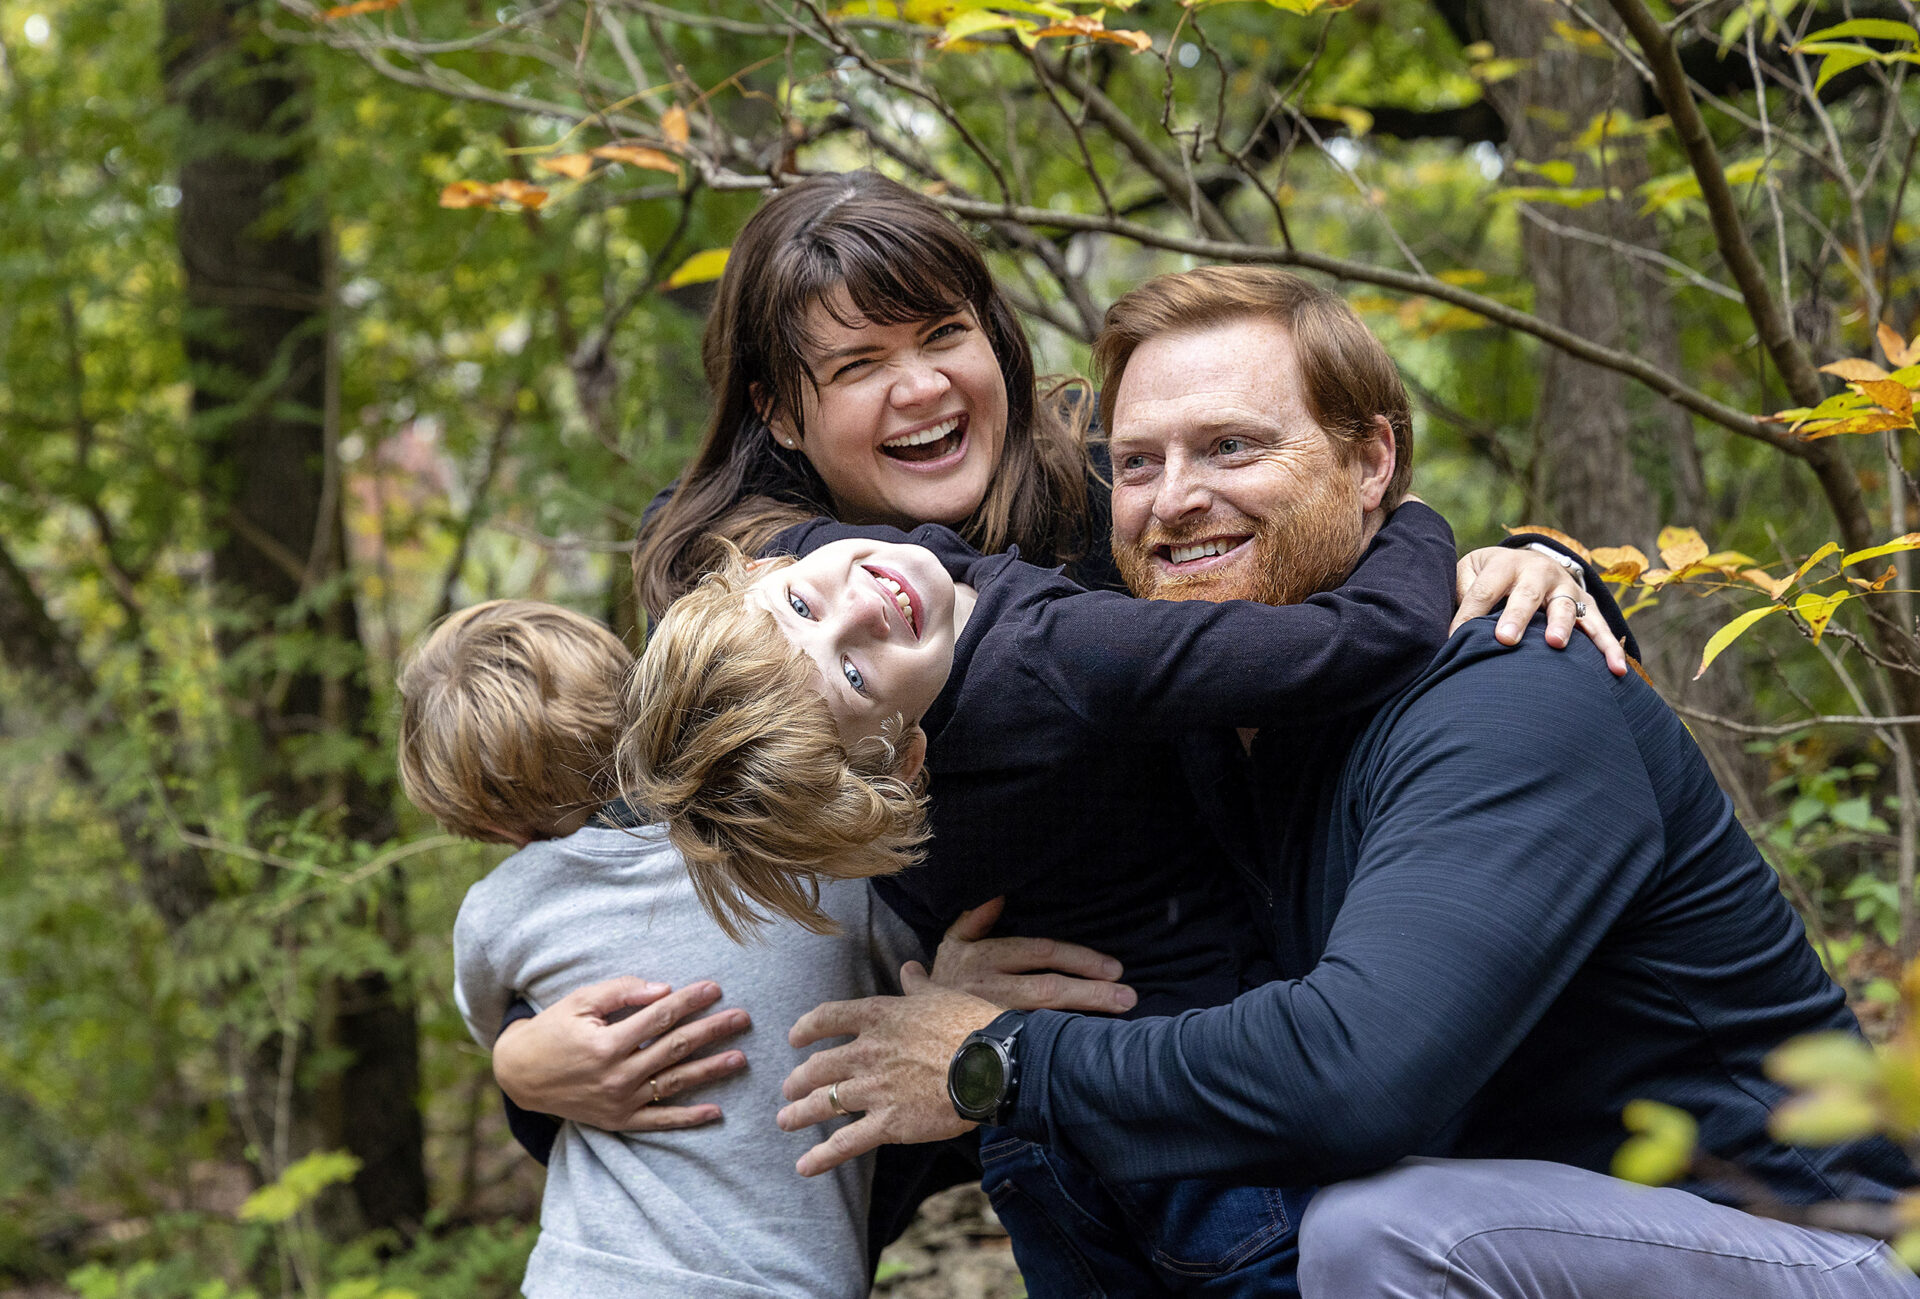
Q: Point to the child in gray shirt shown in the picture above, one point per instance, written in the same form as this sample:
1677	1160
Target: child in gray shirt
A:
510	713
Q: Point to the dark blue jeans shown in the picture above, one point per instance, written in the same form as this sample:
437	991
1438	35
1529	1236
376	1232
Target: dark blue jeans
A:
1077	1236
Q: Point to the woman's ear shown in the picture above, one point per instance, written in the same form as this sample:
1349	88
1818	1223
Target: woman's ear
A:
913	754
773	417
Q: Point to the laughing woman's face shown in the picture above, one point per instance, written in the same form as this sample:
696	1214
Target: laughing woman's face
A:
904	423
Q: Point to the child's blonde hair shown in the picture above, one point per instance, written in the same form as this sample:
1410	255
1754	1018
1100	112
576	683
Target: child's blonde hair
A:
509	714
731	744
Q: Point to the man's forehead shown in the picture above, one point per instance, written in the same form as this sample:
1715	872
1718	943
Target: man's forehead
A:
1242	370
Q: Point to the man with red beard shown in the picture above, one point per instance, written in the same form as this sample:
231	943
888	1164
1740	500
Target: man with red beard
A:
1510	901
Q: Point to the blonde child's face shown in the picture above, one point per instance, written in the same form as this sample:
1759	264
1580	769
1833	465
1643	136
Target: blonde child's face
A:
876	618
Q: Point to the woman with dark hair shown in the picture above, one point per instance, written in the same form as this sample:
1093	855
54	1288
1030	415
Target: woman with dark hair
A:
930	412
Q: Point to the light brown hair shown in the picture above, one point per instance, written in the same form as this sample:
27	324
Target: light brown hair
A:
900	258
730	742
508	718
1349	377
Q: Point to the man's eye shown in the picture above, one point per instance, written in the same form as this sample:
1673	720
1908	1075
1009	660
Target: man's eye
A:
798	605
1232	446
1133	462
854	679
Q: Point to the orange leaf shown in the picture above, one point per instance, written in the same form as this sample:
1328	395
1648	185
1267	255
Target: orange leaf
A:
1680	547
673	125
1872	422
1558	536
574	166
1898	354
467	193
1854	368
518	191
358	7
634	155
1773	586
1896	397
1619	563
1878	583
1092	28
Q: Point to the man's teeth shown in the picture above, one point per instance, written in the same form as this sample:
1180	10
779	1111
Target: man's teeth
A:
900	597
1203	550
925	435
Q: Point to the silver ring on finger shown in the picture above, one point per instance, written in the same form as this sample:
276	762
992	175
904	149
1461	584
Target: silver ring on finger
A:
833	1101
1579	605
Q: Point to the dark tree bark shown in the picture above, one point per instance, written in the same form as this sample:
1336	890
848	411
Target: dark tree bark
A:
254	257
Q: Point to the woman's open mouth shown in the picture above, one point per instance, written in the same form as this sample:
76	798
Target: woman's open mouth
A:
904	597
925	446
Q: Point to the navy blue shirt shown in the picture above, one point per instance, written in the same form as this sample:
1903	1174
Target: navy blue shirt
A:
1514	900
1054	777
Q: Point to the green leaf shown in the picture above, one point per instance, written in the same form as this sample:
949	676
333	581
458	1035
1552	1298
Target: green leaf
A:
1840	61
298	1185
1824	1060
1544	194
1825	1117
1662	1147
1857	814
1873	29
1730	633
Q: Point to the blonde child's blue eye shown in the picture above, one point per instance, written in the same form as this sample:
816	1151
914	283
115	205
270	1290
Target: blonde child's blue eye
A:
798	605
854	678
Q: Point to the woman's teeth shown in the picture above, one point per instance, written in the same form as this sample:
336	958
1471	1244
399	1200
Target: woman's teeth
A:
924	436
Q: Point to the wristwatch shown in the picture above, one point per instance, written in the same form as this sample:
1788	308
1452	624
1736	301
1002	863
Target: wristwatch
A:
984	1075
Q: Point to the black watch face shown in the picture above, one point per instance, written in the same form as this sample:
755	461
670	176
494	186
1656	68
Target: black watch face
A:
978	1077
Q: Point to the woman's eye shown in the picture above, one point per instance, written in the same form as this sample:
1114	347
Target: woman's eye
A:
952	329
798	605
854	679
851	367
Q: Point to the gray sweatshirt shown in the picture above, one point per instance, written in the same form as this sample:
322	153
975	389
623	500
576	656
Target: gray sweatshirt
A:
714	1212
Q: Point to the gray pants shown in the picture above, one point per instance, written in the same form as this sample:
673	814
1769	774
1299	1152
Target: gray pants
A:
1519	1229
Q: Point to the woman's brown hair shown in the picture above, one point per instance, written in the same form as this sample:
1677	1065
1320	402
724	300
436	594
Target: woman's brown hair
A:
900	258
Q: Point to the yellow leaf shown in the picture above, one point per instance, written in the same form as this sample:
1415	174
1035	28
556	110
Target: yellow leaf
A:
1680	547
1727	561
1773	586
1636	607
1889	395
1825	1117
1730	633
1824	1059
1579	37
1662	1145
1831	548
634	155
1854	368
699	268
1911	541
1818	610
1619	563
467	193
1874	421
1557	535
574	166
673	126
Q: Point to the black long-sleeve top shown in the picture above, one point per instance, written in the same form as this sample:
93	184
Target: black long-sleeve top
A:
1054	777
1512	901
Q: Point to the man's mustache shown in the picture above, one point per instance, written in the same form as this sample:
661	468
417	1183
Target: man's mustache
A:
1206	530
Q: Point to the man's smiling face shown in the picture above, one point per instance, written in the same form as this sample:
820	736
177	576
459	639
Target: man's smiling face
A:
1224	485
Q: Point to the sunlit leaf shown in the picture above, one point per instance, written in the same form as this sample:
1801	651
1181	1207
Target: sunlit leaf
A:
298	1185
1730	633
1619	563
358	7
1559	170
1680	547
1831	548
1889	395
1854	367
1726	561
574	166
1818	610
1773	586
1556	535
1661	1148
467	193
1575	198
699	268
1840	61
1911	541
1825	1117
518	191
1872	422
1899	355
1879	583
1823	1059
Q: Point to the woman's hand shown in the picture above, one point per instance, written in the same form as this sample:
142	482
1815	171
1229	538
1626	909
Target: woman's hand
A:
1526	580
607	1054
1003	970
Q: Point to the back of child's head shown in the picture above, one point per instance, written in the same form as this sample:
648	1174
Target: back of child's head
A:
509	715
731	744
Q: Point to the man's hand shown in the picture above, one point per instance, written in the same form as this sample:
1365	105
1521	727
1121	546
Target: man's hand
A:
580	1060
1002	970
895	1069
1526	581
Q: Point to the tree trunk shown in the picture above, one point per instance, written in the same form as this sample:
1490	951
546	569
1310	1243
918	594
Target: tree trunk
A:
257	341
